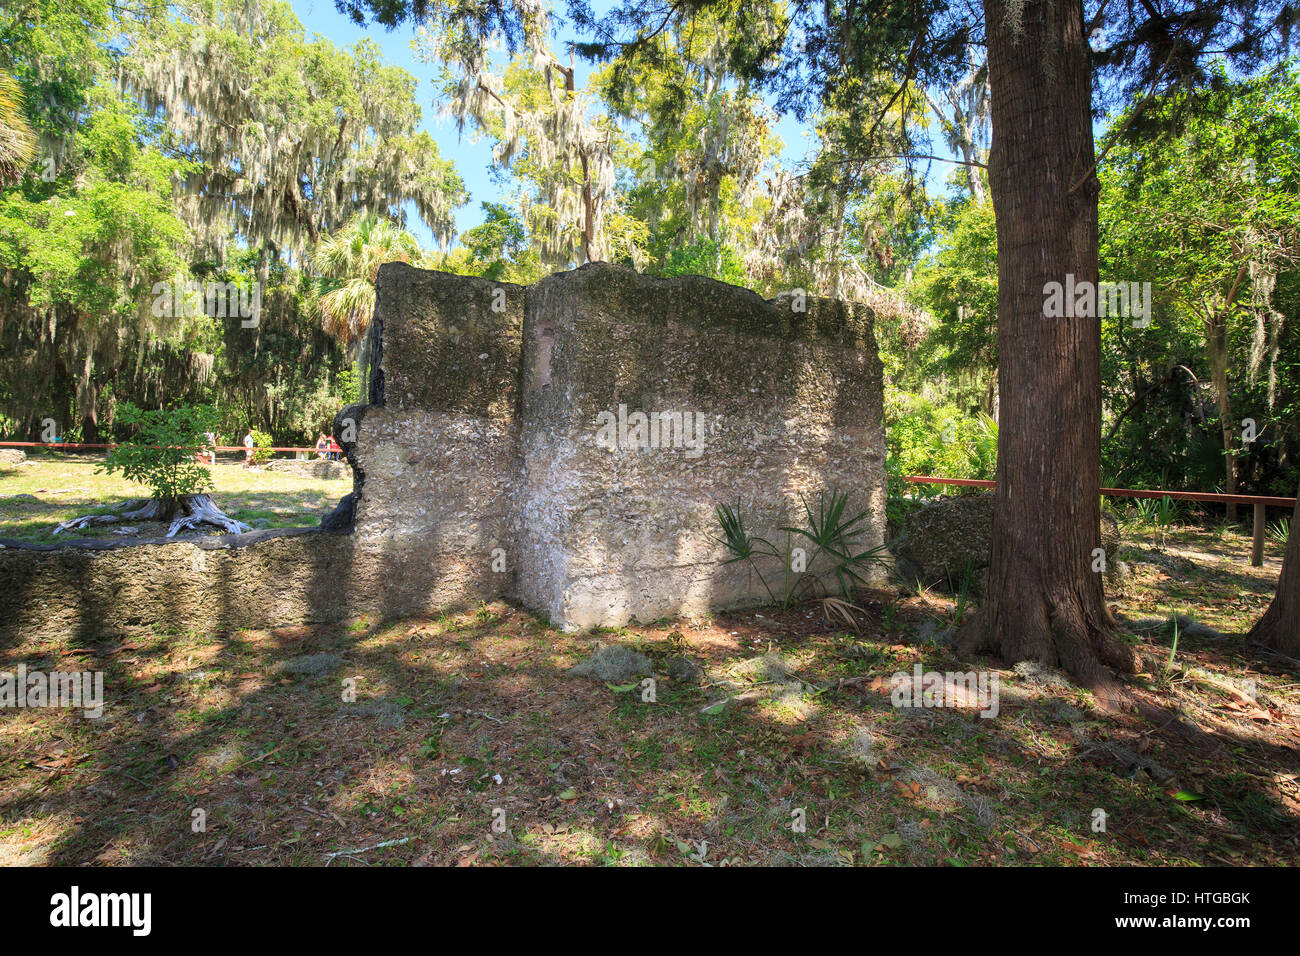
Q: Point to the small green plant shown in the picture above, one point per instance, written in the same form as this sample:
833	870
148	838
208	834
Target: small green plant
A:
964	594
1145	510
162	456
262	445
833	537
1160	513
1166	516
890	621
1280	531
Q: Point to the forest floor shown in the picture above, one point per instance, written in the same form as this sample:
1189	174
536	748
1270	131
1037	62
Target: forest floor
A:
36	495
469	743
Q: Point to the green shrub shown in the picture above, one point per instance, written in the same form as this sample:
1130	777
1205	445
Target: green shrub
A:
162	456
829	532
262	445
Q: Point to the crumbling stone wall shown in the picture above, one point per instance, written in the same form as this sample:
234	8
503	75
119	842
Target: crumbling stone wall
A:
438	445
89	588
565	444
759	405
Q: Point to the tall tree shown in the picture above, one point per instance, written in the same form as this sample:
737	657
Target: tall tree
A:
1044	601
293	136
963	114
544	126
350	260
1279	628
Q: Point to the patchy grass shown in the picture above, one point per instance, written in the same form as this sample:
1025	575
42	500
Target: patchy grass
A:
65	487
472	719
1200	571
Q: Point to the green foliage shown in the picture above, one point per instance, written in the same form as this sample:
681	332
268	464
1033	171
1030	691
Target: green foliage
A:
161	457
1280	531
349	262
499	249
832	535
705	257
1207	209
958	284
933	438
262	445
169	185
17	141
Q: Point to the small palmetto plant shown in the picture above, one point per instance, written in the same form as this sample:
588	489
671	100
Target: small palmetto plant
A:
1145	510
1159	514
1280	531
1166	516
833	537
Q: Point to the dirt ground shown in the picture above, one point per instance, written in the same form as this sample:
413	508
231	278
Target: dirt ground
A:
465	741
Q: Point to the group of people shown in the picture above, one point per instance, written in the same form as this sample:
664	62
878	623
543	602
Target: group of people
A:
326	447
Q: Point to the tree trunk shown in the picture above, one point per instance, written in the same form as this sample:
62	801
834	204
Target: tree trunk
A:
588	212
1216	338
1043	602
1279	628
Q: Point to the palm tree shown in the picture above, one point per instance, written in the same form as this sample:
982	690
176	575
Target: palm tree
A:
349	260
17	141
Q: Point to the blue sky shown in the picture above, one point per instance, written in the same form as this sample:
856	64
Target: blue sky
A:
474	159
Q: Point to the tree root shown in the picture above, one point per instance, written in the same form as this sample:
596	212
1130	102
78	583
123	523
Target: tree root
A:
190	511
201	509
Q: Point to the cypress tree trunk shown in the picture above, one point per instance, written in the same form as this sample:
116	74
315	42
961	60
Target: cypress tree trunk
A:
1279	628
1043	600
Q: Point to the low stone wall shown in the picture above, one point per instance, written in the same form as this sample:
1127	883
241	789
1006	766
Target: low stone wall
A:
566	444
87	588
309	467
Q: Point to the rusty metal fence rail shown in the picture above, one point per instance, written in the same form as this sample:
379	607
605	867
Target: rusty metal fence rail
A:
1260	502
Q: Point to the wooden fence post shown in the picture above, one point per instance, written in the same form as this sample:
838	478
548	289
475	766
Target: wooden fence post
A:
1257	546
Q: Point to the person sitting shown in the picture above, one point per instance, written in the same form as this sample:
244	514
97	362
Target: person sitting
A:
248	449
322	446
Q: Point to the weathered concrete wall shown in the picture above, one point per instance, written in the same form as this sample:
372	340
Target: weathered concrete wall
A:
790	404
312	467
500	456
439	453
88	588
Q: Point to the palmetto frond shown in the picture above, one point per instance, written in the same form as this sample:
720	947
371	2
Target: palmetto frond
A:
17	141
352	257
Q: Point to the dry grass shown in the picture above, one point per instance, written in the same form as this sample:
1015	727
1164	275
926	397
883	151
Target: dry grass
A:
474	718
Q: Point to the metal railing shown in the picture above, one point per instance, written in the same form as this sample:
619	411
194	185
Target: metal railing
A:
1260	502
82	446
